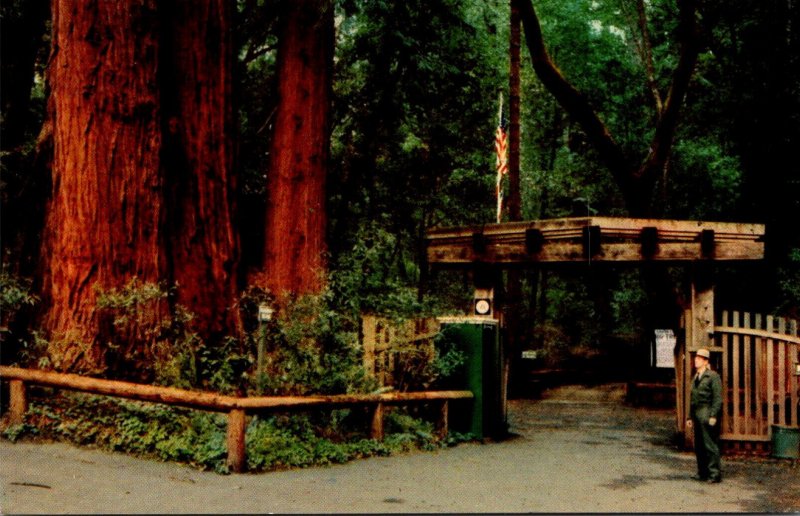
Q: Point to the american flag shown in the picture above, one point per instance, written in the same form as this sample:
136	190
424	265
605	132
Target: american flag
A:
501	149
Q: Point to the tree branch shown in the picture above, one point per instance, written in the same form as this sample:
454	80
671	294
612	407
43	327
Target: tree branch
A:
636	184
661	145
647	56
576	104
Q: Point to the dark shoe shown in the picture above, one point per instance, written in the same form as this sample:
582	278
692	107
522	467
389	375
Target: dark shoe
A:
699	478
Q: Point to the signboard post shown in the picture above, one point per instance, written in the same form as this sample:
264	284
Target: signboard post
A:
665	348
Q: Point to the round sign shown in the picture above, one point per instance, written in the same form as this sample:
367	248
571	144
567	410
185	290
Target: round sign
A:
482	307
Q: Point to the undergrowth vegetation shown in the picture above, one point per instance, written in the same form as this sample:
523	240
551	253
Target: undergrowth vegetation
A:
198	438
306	348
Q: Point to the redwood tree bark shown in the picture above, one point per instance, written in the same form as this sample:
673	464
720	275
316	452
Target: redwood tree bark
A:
198	160
103	220
295	247
142	174
514	43
514	277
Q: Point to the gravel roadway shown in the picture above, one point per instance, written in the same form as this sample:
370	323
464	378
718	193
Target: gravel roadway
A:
576	450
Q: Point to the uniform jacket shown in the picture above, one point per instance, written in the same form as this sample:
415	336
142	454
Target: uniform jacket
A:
706	398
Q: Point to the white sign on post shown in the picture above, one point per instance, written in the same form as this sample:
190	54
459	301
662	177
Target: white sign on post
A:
665	348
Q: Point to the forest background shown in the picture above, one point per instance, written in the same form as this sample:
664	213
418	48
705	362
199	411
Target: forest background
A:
168	166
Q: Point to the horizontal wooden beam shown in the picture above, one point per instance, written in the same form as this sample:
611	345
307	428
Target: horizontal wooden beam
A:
599	239
618	225
744	437
212	401
766	334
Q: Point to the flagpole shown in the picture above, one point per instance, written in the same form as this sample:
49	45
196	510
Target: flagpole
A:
500	145
500	111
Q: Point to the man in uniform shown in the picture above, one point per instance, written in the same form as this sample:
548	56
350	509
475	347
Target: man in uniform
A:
704	410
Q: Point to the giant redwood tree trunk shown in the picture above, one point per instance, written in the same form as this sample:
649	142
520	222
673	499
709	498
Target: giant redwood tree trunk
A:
198	160
104	217
142	175
294	253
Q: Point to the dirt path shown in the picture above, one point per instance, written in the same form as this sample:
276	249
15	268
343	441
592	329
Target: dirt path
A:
578	450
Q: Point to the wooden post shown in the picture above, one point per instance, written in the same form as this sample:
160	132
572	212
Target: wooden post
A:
376	429
702	320
18	402
237	456
688	435
368	339
441	419
680	377
699	326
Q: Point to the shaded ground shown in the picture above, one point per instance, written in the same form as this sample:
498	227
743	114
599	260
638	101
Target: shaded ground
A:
577	450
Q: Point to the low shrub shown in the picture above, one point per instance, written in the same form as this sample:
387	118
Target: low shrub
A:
199	438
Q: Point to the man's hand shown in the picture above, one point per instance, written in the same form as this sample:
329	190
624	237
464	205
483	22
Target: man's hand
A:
712	421
688	423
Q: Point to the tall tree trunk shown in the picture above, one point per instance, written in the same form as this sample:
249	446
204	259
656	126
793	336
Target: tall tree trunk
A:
142	174
105	214
515	38
198	160
294	254
514	311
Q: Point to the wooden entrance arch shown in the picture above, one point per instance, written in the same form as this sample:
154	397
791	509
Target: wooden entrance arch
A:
609	239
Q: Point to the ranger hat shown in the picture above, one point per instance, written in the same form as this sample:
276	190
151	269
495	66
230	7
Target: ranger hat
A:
703	352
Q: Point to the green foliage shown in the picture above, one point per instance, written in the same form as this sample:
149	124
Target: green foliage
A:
374	276
15	432
130	299
281	442
708	181
309	347
132	427
409	76
173	353
407	433
628	303
199	438
448	358
15	293
415	107
789	286
17	302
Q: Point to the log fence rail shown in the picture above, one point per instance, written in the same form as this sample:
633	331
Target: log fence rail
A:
236	407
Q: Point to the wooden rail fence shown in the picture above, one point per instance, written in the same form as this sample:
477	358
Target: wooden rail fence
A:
390	348
236	407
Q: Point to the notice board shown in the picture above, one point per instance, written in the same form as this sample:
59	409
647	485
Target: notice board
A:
665	348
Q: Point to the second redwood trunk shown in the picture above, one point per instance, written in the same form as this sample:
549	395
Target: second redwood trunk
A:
295	247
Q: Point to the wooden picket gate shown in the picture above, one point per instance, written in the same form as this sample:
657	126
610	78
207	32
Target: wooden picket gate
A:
757	358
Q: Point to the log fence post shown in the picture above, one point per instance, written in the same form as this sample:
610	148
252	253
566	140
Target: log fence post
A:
376	429
441	419
18	402
237	455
